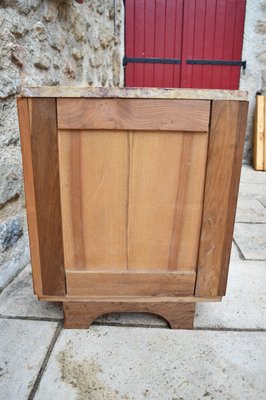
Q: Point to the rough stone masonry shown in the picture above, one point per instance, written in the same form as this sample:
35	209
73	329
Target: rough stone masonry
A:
59	42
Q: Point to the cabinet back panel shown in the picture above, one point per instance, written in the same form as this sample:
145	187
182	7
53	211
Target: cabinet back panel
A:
131	200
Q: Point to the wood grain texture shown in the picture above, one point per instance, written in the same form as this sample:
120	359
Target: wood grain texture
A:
133	93
259	145
45	164
105	283
131	200
81	315
134	114
166	180
25	135
131	299
227	133
94	174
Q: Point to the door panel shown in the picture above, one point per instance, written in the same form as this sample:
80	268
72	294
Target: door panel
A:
132	199
153	30
212	31
184	30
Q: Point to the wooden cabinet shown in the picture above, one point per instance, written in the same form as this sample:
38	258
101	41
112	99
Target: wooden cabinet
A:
131	197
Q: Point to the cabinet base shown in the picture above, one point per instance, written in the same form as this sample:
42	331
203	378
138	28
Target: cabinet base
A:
80	315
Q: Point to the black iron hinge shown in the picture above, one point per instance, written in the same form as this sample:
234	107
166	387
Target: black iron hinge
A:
150	60
218	62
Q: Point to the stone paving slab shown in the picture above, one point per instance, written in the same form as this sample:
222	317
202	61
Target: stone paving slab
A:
251	239
263	202
114	363
249	210
234	253
23	347
244	306
250	175
18	300
252	191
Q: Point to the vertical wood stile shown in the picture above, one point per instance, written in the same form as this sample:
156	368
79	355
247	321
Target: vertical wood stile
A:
45	163
24	125
227	132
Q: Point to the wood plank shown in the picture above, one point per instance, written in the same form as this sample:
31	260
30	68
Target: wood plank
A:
106	283
133	93
131	299
259	146
140	114
81	315
94	187
166	181
45	163
183	253
115	188
227	133
24	125
71	198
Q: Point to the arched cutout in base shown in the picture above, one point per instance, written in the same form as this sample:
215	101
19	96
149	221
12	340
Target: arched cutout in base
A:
80	315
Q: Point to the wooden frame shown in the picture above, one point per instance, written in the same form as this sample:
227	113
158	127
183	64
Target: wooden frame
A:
38	121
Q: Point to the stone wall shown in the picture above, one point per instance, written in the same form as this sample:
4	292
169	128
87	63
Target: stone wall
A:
254	51
46	42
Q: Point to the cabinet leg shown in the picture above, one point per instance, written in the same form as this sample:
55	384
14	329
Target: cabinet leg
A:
80	315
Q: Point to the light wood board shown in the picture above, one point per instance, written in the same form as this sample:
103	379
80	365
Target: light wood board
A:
134	114
131	283
135	93
131	200
259	145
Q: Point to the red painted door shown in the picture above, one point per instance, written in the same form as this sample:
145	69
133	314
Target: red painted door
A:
153	30
187	37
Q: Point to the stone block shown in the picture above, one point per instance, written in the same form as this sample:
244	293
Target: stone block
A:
8	86
40	31
10	182
42	61
17	55
23	6
18	29
10	232
50	11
